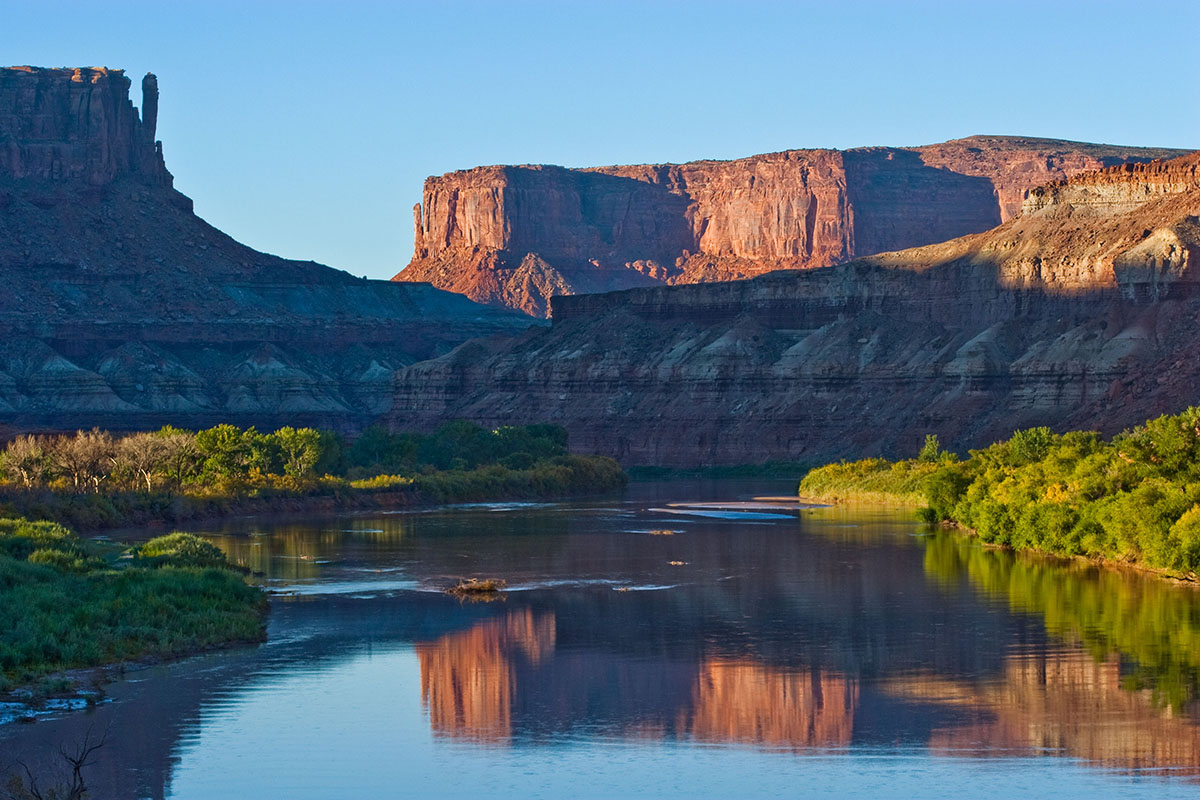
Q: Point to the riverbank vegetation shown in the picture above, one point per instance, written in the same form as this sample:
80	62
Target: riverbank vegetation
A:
872	480
1133	499
94	479
71	603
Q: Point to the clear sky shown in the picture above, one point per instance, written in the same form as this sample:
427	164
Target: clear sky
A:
306	129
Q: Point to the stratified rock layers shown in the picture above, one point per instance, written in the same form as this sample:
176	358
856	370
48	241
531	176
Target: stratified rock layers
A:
516	236
1081	312
123	309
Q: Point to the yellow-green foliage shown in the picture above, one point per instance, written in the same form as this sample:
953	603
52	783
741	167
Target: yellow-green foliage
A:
871	479
383	483
556	477
65	606
1135	498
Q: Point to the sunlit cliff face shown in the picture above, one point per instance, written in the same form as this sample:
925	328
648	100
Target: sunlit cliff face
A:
1063	701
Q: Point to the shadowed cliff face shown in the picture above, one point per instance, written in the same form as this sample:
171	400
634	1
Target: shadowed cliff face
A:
125	310
516	236
77	125
1079	313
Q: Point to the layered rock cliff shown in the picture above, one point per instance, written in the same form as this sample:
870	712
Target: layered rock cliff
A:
516	236
77	125
1080	312
123	309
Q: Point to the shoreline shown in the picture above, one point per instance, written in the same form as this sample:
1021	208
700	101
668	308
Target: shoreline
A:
185	509
29	702
900	502
881	499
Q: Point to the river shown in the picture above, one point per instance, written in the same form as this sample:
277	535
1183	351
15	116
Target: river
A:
759	649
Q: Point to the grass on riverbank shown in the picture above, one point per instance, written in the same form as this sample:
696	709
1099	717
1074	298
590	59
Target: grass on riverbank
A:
871	480
69	603
1133	499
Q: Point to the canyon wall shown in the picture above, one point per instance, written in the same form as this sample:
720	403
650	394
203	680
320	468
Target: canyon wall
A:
1081	312
77	125
516	236
123	309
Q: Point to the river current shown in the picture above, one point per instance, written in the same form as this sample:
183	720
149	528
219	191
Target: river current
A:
684	639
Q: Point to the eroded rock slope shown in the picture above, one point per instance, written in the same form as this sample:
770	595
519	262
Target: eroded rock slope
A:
122	308
1081	311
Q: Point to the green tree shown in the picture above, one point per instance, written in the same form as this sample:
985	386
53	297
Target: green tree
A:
300	450
231	453
931	450
1030	445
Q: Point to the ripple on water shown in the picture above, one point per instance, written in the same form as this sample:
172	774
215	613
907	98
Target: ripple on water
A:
722	514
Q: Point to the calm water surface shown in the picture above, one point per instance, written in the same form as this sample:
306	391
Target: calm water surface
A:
760	650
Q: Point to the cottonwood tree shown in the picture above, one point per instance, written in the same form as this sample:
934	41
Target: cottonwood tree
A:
26	457
86	458
231	453
181	456
145	455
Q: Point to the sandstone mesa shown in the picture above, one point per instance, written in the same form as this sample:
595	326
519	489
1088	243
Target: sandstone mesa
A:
516	236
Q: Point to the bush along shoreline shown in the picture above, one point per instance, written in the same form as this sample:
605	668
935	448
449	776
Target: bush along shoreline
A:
71	604
94	480
1133	499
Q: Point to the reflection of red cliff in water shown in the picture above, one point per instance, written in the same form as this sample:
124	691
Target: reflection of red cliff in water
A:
475	682
1067	702
743	701
468	679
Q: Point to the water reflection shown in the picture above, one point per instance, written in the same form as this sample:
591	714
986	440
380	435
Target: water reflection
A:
1151	624
831	631
1062	702
468	678
750	703
473	681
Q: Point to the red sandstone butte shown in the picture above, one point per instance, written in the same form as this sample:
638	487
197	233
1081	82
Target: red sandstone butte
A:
121	308
517	235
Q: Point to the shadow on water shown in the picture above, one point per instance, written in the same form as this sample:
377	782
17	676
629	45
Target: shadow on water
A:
830	631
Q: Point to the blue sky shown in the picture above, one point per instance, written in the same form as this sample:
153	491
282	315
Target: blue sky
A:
306	129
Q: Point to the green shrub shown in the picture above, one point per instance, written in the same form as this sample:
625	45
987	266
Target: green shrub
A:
1184	540
870	479
65	608
64	560
943	490
383	482
1131	499
179	550
20	537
